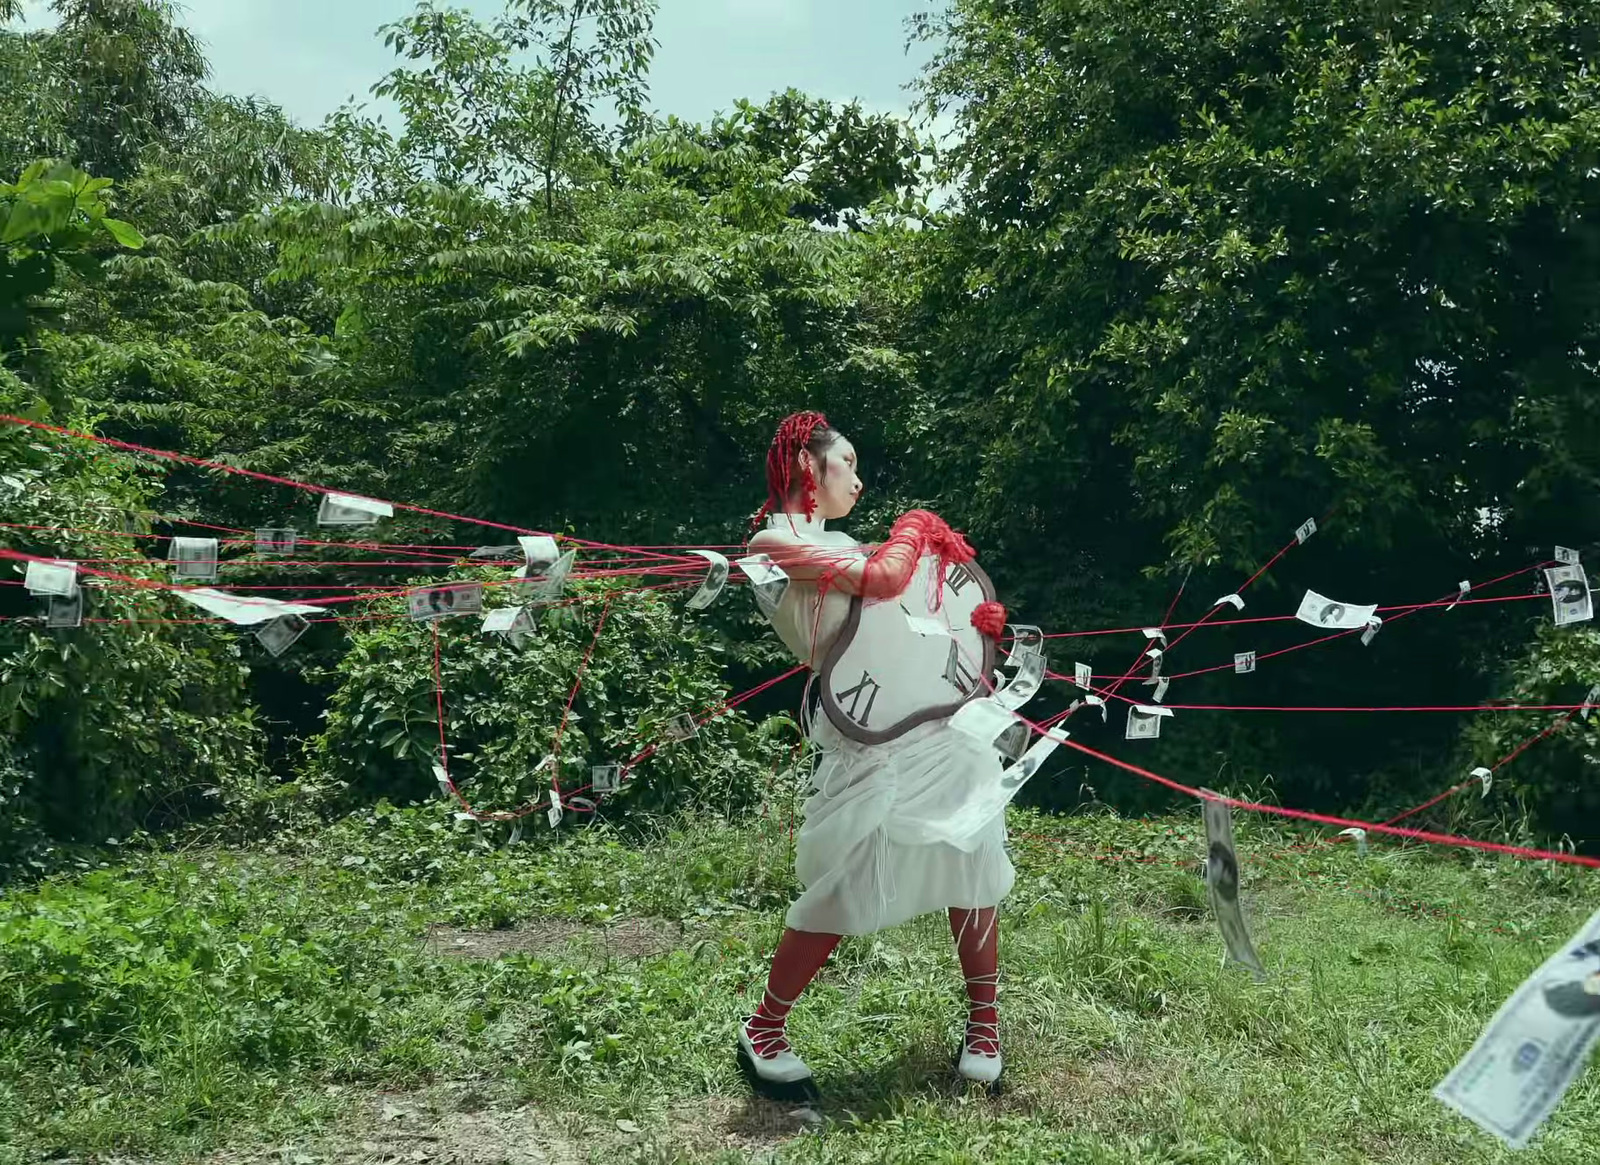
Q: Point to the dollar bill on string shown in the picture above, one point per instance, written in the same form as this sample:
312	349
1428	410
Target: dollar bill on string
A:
1569	594
1026	639
983	720
1305	530
716	578
1360	836
768	581
539	551
1374	625
349	510
682	727
1144	721
51	578
276	539
1590	700
1083	676
193	559
1463	589
1485	777
1244	662
514	623
1156	635
1566	555
1534	1047
1236	602
1091	701
278	634
443	778
553	814
245	610
427	603
1161	684
64	611
1024	684
1014	776
548	588
1154	655
1321	611
605	778
1222	880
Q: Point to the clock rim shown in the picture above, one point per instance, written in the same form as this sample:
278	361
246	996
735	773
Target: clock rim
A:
853	731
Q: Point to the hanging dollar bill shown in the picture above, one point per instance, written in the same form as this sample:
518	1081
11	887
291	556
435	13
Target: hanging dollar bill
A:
1534	1047
1305	530
1590	700
438	602
682	727
1013	742
1485	777
984	720
1083	676
245	610
443	778
1024	684
716	578
278	634
1235	600
276	540
1374	625
1222	880
1161	684
514	623
1026	639
1320	611
1463	589
1156	635
1017	775
1154	655
193	559
605	778
349	510
1144	721
65	611
548	588
1563	554
1244	663
51	578
553	814
1360	836
1569	594
539	551
768	582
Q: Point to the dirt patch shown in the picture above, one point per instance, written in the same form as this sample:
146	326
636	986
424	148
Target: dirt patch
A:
747	1125
440	1129
1101	1080
627	938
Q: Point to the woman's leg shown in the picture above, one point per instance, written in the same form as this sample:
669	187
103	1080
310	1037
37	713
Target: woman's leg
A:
977	936
799	957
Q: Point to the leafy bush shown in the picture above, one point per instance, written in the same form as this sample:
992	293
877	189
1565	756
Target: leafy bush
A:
503	706
117	718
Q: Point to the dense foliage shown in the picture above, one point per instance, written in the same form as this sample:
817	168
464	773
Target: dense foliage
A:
1205	270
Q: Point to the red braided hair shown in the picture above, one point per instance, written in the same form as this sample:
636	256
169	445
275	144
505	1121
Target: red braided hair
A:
795	432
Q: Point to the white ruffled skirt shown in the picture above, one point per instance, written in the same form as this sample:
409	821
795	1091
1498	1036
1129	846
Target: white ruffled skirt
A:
899	829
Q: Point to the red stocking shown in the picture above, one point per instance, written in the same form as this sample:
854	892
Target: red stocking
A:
977	938
800	956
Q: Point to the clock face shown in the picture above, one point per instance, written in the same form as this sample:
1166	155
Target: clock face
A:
899	663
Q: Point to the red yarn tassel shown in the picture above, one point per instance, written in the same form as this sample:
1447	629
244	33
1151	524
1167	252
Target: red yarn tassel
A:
990	619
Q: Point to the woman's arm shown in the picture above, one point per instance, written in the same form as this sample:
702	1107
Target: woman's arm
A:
876	572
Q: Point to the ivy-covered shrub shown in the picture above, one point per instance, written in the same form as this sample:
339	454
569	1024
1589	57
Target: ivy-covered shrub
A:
503	705
125	720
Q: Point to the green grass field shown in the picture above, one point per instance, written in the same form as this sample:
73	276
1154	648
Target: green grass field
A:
391	990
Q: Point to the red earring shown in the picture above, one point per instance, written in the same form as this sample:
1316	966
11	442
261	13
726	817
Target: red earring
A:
808	490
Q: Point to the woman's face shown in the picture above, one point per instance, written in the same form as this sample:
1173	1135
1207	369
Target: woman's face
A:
838	486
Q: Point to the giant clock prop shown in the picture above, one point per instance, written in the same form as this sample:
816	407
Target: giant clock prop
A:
898	663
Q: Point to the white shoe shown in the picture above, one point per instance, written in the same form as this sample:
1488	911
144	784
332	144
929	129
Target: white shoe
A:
978	1066
780	1068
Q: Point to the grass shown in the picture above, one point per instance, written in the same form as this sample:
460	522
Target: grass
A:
332	997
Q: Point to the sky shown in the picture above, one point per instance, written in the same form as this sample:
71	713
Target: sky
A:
310	56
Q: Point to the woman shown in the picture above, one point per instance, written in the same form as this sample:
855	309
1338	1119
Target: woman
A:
877	846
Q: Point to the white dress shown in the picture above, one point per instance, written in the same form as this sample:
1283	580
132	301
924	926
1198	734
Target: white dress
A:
888	831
